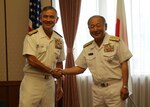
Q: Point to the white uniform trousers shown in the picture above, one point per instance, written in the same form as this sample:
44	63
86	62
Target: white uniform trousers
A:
37	92
108	96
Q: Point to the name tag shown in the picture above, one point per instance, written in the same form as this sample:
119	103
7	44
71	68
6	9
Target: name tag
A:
90	54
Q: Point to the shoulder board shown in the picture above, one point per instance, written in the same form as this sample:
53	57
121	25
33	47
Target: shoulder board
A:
32	32
114	38
57	33
87	44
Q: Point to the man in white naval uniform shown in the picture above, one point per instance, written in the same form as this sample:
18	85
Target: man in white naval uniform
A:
44	50
107	59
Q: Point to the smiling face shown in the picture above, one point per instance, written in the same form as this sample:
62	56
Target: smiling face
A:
97	27
48	19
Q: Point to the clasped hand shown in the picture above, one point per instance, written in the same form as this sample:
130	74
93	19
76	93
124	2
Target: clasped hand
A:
57	73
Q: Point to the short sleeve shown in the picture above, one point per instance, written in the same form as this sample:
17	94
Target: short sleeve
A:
81	60
29	46
62	53
123	52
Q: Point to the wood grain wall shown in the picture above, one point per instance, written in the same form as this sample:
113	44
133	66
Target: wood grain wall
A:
13	28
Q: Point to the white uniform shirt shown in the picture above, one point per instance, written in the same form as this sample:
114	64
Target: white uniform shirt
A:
104	62
48	50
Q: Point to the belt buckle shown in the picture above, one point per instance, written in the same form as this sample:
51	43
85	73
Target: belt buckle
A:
46	77
103	84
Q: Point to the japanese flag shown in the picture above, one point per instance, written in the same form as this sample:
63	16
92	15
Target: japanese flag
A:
121	28
121	31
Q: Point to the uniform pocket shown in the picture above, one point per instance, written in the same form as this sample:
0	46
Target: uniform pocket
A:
111	57
91	61
42	49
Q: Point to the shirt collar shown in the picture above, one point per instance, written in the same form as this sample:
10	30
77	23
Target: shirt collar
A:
42	34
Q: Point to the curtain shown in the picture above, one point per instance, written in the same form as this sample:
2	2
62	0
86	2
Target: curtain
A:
139	36
70	10
85	90
138	24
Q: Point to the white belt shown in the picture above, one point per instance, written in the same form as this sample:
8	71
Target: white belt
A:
44	76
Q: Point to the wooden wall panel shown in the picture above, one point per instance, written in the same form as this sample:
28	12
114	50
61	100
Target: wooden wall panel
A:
3	76
3	97
45	3
13	95
9	94
17	28
13	28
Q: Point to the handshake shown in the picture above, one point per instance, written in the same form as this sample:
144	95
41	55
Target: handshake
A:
57	72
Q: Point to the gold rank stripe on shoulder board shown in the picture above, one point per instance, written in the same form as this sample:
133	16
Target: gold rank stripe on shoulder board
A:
32	32
114	38
87	44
